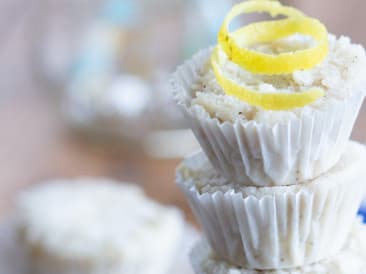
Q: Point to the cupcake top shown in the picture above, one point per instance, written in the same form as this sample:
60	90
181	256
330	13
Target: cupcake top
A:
351	260
98	220
273	71
197	172
340	75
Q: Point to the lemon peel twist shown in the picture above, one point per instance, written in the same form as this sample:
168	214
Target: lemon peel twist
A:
269	64
269	101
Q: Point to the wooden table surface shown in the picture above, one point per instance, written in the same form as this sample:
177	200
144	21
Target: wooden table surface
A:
35	145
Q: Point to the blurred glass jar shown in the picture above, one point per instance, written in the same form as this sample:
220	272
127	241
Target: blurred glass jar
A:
116	77
57	25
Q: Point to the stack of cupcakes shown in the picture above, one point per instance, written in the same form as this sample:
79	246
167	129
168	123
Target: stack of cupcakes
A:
277	187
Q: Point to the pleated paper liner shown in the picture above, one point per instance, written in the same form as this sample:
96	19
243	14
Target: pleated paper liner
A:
277	227
351	260
260	154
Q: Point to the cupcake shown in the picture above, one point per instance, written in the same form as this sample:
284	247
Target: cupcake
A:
351	260
97	226
276	227
256	146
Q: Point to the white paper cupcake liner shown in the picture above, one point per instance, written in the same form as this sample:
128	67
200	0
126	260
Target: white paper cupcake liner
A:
352	260
279	227
259	154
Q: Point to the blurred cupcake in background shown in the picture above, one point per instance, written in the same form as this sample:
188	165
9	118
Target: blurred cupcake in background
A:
115	83
100	226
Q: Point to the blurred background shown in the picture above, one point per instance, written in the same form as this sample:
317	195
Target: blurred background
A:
84	87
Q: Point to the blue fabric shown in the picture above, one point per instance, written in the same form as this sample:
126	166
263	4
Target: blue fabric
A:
362	212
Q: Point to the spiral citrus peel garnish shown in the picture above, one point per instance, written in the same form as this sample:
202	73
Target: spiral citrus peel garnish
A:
267	31
269	64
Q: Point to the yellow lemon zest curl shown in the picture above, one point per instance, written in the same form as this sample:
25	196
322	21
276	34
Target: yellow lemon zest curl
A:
269	101
269	64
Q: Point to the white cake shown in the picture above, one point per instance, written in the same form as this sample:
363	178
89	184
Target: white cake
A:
338	75
97	226
352	260
260	147
276	227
